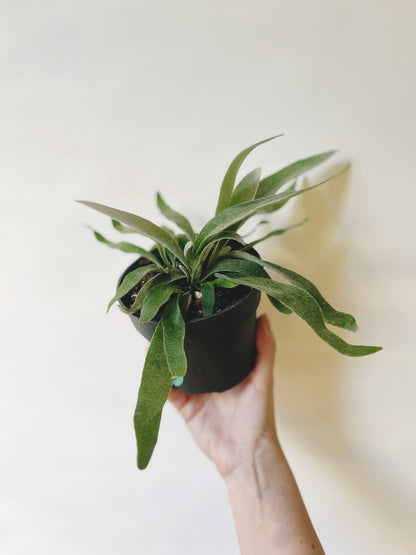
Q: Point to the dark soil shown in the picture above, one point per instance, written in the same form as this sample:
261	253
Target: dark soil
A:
224	297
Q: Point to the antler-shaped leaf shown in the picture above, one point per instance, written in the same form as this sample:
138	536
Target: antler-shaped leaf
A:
165	278
123	228
154	390
245	268
143	226
271	184
156	297
239	266
228	182
127	247
239	212
331	316
278	205
173	338
130	280
165	361
247	188
273	234
208	298
175	217
305	306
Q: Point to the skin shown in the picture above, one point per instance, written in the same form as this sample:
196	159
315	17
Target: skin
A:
236	430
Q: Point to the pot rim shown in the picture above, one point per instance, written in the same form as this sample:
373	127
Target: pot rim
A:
251	290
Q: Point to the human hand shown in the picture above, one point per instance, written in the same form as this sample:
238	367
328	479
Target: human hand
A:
233	426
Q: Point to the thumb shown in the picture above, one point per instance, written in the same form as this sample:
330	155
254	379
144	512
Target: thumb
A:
262	373
178	398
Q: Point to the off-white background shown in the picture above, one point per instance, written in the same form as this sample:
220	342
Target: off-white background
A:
111	101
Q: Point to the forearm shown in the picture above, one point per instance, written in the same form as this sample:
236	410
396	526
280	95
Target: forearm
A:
268	510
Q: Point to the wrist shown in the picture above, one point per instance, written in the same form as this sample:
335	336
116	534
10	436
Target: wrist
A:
266	452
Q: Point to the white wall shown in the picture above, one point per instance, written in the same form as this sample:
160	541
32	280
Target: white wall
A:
111	101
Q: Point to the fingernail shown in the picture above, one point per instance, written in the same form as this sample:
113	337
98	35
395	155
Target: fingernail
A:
267	323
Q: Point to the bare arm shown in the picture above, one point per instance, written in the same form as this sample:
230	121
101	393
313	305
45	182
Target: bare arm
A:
236	430
268	510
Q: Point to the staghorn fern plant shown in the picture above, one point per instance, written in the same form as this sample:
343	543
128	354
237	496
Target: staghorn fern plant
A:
182	266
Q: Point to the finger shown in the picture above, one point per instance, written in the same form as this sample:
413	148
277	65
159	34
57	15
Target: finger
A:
187	405
266	349
178	398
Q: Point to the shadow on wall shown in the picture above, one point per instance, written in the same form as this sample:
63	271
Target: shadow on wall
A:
308	370
310	374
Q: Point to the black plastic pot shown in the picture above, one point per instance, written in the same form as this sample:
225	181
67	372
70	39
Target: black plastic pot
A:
220	349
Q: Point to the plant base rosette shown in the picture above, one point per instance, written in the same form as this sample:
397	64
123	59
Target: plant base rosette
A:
220	349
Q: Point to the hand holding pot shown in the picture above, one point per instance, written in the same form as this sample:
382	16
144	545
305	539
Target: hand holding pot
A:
232	426
236	430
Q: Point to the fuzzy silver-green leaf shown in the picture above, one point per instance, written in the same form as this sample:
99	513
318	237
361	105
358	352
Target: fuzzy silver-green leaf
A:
165	278
143	226
331	316
126	247
175	217
154	390
272	183
157	297
273	234
247	188
305	306
173	338
208	298
278	205
130	280
239	212
122	228
226	283
228	182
